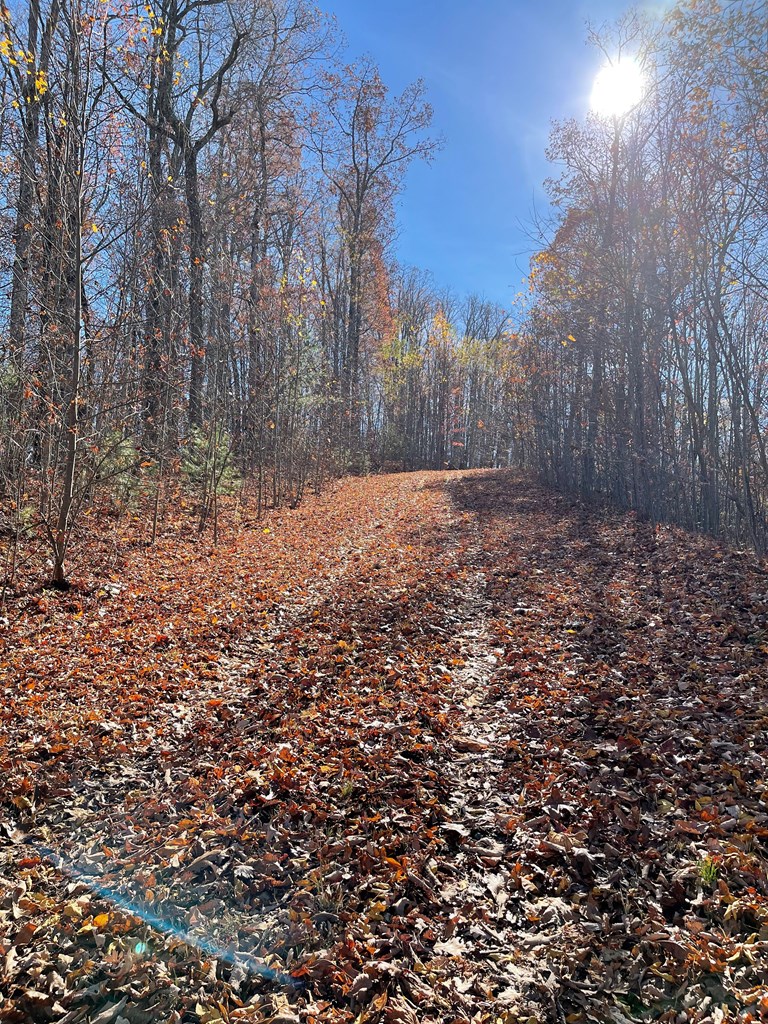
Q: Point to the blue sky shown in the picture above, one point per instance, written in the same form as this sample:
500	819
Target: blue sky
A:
497	72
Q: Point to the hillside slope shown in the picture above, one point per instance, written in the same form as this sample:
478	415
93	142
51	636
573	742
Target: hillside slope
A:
436	747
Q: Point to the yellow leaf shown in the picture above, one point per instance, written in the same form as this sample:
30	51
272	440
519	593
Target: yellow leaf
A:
101	920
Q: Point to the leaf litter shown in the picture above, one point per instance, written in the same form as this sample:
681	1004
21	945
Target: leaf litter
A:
437	747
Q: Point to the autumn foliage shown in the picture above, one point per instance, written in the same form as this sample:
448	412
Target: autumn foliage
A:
432	747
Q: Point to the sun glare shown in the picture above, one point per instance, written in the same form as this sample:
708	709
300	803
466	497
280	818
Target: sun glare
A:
618	87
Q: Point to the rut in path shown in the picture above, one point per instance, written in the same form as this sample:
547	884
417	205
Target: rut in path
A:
480	810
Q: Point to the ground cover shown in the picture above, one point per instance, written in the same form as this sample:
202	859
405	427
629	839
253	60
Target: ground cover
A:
433	747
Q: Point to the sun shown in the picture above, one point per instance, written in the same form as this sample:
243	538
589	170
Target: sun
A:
618	87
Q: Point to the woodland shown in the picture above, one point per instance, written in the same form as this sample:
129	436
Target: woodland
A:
370	653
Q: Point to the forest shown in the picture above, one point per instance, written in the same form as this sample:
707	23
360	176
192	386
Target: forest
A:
372	653
200	285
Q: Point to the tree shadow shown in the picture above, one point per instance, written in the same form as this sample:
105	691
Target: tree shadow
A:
636	616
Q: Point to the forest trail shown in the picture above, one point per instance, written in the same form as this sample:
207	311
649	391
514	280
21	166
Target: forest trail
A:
434	747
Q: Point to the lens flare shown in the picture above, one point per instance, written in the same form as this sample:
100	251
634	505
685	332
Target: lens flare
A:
204	944
618	88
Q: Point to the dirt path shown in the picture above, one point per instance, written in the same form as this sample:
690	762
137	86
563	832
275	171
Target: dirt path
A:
437	747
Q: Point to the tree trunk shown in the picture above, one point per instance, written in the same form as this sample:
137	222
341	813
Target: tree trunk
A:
196	270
